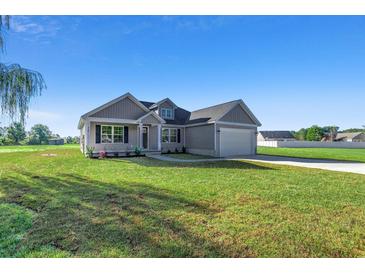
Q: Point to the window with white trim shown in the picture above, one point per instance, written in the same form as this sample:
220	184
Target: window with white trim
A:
165	135
166	113
173	135
169	135
112	134
118	134
106	134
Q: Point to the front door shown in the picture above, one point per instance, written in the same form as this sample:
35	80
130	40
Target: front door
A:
145	137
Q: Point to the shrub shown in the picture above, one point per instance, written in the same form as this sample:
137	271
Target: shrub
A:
183	149
168	151
137	151
90	151
176	150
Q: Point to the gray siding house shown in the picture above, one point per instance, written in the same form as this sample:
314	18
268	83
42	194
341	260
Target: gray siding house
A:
275	135
124	123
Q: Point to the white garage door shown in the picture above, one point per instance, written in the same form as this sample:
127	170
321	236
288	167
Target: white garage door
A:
236	142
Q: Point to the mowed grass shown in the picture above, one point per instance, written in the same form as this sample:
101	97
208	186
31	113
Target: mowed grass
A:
29	148
318	153
186	156
70	206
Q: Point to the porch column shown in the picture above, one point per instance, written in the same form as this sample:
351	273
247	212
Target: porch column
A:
87	133
140	126
159	137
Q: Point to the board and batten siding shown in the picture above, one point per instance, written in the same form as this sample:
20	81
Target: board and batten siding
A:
150	120
237	115
124	109
132	139
200	139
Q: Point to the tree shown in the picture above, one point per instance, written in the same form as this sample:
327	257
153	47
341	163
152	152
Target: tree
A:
314	133
39	134
301	134
18	85
331	132
16	133
69	140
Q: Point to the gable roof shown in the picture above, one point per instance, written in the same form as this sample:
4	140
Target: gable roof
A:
214	113
182	116
155	105
348	135
154	114
284	134
120	98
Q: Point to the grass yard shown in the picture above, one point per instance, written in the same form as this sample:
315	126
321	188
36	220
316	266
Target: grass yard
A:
187	156
28	148
70	206
318	153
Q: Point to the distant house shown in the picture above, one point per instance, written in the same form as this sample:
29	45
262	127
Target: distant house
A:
350	137
276	135
56	141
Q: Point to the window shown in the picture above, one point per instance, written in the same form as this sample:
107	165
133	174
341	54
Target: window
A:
166	113
169	135
173	135
118	136
165	135
112	134
106	134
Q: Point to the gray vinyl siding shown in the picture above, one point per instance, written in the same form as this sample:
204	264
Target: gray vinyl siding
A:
200	137
254	136
150	120
153	142
237	115
124	109
172	146
132	139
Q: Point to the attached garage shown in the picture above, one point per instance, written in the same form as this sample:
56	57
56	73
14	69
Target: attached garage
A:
236	141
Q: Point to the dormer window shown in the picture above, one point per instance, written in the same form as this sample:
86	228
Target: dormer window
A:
166	113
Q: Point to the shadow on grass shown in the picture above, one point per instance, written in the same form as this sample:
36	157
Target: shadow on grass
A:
225	164
90	218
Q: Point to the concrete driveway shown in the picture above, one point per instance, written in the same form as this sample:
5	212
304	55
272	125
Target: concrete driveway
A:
334	165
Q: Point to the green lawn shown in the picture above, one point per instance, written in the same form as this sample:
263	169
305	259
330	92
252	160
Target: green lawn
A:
187	156
319	153
7	149
70	206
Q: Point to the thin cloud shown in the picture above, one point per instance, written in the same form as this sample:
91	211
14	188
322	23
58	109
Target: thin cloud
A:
35	28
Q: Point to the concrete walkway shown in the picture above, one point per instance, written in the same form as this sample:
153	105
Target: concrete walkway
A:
334	165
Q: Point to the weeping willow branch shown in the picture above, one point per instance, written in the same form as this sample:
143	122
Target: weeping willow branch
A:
17	86
4	22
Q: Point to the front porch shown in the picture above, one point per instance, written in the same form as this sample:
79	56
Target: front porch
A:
122	139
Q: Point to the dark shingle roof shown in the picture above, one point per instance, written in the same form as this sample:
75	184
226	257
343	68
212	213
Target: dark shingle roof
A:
285	134
211	113
181	115
146	104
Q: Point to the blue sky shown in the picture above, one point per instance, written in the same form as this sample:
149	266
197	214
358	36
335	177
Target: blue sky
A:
292	72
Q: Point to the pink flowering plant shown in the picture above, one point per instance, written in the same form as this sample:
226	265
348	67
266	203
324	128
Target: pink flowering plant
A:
102	154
